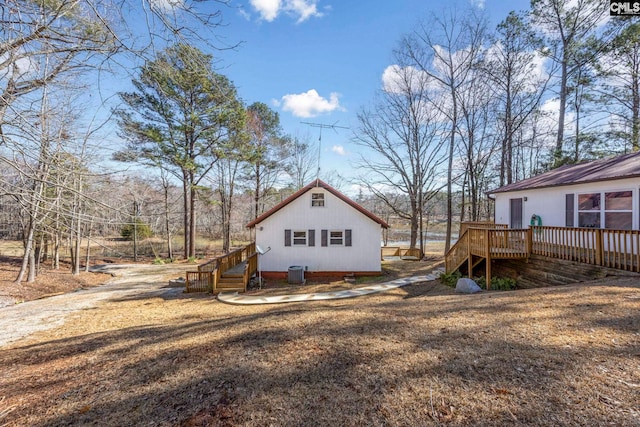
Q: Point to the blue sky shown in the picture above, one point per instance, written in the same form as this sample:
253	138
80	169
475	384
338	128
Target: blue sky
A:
321	61
318	61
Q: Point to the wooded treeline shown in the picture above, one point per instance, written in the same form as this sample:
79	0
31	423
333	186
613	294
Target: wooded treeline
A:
465	108
182	123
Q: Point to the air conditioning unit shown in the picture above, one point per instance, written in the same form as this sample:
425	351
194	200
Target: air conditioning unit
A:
296	275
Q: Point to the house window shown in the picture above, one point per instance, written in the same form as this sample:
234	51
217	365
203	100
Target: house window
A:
616	213
589	210
317	199
336	238
300	238
618	210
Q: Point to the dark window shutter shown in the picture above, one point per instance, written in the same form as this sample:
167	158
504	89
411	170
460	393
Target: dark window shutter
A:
569	210
311	237
324	237
347	237
287	237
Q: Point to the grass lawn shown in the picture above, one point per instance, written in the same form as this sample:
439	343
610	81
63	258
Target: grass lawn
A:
414	356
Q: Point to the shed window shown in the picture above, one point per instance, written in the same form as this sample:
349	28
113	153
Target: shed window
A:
336	238
300	238
317	199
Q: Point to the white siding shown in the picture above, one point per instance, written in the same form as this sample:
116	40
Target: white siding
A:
549	203
299	215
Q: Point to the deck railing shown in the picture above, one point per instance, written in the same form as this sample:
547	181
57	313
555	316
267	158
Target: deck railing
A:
397	251
488	243
619	249
208	275
480	224
458	253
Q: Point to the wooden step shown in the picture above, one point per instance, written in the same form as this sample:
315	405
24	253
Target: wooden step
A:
231	280
230	288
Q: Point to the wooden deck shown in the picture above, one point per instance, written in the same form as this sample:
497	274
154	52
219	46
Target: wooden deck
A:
235	271
618	249
230	272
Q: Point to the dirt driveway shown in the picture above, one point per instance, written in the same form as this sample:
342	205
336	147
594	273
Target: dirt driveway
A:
21	320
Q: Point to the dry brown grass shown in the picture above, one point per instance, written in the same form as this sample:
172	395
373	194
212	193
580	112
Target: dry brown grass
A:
418	355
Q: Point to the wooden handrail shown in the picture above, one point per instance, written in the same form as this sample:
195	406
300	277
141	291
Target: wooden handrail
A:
619	249
214	268
480	224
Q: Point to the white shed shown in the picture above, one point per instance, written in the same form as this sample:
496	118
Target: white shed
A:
321	230
603	193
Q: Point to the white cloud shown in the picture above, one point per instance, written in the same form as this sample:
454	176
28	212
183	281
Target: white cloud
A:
397	79
310	103
167	5
268	9
302	10
18	68
551	106
339	149
477	3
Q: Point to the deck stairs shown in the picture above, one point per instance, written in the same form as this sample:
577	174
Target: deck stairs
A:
483	242
228	273
233	280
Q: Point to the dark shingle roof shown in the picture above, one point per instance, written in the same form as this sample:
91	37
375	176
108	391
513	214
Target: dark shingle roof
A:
315	184
612	168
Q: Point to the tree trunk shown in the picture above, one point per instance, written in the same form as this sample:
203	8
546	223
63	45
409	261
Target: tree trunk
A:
88	254
28	247
192	222
557	155
167	226
452	141
257	194
78	248
185	213
635	112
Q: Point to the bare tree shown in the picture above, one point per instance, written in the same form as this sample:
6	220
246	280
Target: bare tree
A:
404	131
446	48
303	162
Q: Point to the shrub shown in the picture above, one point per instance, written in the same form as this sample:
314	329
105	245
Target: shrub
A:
497	283
450	279
503	284
142	230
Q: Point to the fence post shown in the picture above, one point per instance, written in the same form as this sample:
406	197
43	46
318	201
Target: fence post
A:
487	260
529	244
216	278
599	247
469	254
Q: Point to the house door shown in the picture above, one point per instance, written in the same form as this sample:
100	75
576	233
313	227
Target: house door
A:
515	213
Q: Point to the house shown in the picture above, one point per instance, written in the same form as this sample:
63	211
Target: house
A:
603	194
321	230
570	224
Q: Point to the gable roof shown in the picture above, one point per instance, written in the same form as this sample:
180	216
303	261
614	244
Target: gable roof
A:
612	168
315	184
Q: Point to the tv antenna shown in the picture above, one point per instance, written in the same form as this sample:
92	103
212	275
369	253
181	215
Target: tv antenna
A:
333	126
